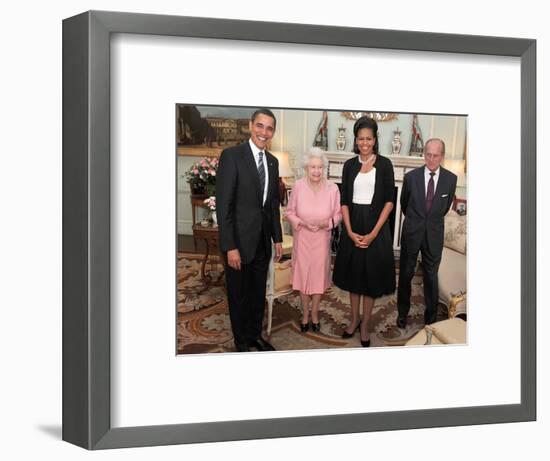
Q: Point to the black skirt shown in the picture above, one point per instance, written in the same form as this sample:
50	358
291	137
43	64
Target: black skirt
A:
366	271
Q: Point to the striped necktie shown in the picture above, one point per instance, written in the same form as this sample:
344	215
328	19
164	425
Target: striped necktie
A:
261	171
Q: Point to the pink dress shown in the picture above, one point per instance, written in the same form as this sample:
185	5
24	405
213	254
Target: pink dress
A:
310	251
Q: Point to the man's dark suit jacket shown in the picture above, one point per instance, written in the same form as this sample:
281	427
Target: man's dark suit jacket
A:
242	220
413	204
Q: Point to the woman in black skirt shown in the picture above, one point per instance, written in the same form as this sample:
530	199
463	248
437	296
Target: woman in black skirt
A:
364	263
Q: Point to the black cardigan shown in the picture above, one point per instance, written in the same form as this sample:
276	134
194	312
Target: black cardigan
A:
384	188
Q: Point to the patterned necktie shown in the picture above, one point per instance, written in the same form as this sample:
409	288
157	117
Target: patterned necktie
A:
430	193
261	172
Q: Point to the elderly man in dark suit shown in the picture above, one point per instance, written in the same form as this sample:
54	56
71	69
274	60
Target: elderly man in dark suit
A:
247	207
426	197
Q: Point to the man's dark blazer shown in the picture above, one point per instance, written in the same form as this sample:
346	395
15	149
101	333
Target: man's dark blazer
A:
242	220
413	204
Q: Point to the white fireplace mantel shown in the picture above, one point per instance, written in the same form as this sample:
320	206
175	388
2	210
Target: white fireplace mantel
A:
401	164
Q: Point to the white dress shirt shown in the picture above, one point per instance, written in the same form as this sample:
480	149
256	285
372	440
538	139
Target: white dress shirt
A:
256	153
427	179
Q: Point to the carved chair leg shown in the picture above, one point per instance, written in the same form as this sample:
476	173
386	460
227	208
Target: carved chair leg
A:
269	313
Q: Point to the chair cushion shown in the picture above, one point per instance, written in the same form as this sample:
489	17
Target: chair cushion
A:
455	232
450	331
282	279
287	243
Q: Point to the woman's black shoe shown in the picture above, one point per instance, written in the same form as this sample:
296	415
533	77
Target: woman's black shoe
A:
304	327
316	326
346	335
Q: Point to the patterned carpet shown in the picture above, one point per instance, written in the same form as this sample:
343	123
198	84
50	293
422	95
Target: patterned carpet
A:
204	327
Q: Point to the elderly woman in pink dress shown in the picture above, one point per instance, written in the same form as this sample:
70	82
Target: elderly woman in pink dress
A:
313	210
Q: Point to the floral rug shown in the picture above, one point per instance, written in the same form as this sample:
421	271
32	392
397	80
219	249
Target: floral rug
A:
203	318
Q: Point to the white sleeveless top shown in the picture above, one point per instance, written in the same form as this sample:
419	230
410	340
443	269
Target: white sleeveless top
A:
363	187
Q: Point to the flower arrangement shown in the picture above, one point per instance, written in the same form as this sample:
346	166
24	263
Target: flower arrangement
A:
202	175
210	203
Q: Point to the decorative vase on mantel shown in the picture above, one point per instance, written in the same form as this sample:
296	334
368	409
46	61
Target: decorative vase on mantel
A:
396	143
341	139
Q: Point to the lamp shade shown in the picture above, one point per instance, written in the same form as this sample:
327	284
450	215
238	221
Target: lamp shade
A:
284	164
457	167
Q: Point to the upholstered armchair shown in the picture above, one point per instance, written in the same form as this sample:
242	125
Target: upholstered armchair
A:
279	277
452	270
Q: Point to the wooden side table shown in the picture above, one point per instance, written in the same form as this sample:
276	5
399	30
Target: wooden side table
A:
197	201
211	237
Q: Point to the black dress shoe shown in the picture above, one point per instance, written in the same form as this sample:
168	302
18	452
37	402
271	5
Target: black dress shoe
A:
304	327
316	326
346	335
240	347
401	322
365	343
261	344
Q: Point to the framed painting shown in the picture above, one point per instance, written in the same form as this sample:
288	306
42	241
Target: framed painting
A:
123	383
206	130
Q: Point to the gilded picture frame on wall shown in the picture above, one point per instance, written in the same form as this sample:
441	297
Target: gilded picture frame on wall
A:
88	399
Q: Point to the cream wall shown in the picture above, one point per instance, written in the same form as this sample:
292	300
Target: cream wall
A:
298	128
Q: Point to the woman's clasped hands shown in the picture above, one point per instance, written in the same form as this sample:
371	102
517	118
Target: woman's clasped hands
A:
362	241
315	226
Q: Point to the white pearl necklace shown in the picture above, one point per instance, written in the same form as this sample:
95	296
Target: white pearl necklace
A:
365	161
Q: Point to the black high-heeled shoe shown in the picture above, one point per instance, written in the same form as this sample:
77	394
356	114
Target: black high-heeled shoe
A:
316	327
346	335
365	343
304	327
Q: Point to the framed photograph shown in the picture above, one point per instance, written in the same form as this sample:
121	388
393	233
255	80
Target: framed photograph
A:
124	385
460	206
203	314
335	169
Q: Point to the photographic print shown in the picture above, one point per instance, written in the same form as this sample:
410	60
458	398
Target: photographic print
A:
338	238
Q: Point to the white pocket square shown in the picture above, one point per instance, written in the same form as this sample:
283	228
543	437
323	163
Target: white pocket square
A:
444	195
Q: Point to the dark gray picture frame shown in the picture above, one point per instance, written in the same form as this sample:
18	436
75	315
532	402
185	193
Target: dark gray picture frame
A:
86	229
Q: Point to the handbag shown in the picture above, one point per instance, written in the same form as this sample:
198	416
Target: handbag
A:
334	237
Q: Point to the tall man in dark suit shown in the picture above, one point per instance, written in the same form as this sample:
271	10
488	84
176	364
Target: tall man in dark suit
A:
426	197
247	206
